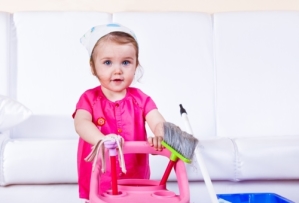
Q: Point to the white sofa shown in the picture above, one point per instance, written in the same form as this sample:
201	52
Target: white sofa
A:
237	75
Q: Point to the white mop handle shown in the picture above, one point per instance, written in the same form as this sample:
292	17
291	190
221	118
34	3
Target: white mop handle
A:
187	123
201	163
206	177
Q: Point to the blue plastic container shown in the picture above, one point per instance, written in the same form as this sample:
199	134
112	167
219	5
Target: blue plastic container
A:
254	198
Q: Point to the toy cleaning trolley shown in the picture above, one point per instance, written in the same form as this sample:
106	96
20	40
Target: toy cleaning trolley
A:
141	190
155	191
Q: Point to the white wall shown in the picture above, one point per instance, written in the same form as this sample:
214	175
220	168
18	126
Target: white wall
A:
209	6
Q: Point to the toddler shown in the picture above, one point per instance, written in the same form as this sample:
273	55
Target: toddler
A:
113	107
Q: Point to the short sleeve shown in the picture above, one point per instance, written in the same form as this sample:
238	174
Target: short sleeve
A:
85	102
145	101
149	105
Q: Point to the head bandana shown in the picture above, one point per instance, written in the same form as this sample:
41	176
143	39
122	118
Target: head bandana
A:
90	38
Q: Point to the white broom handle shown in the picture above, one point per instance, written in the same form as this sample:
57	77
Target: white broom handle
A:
187	123
201	163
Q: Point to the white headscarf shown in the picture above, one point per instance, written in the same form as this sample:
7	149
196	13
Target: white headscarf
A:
91	37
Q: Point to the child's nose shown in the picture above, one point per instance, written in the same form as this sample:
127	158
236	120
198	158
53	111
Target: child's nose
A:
117	69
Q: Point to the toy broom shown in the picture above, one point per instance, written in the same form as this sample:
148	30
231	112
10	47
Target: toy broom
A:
180	144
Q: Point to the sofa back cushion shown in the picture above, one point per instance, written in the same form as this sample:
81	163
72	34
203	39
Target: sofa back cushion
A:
256	62
52	66
52	69
176	53
5	22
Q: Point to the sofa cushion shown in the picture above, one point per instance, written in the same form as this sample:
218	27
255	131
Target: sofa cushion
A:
267	158
32	161
219	157
45	127
12	113
256	56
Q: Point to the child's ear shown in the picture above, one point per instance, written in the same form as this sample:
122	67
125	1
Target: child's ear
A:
92	68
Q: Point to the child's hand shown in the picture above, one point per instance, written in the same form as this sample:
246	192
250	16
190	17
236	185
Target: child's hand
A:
156	142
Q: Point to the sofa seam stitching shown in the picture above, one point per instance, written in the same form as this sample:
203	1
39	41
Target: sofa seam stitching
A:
3	143
236	160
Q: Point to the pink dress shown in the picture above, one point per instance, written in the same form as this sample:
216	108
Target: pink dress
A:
125	117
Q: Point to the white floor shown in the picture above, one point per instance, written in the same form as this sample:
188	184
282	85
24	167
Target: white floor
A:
198	191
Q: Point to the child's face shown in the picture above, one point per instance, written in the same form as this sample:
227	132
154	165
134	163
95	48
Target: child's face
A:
115	66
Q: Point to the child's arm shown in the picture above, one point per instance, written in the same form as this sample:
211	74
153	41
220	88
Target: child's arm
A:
155	121
85	128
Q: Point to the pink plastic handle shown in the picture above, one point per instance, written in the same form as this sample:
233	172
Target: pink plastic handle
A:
111	145
143	147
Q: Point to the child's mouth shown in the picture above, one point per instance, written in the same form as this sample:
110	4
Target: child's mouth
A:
117	81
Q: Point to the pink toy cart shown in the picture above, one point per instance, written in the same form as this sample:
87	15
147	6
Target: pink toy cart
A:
142	190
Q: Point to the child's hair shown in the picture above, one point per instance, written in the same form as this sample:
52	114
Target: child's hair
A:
120	38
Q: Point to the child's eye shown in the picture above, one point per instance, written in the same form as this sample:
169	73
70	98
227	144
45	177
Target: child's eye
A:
126	62
107	62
